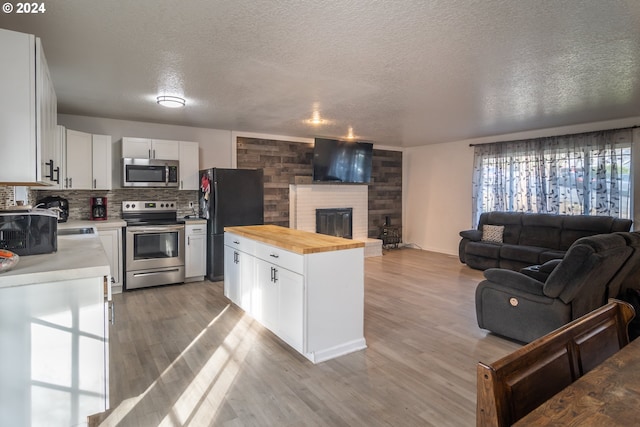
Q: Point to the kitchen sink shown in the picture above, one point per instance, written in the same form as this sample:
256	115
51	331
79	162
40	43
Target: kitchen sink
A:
74	231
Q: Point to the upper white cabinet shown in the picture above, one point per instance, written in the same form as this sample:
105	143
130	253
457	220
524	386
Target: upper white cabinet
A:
145	148
189	165
54	168
88	161
101	161
79	174
28	109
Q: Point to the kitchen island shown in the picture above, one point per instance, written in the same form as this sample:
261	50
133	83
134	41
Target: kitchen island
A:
54	335
307	288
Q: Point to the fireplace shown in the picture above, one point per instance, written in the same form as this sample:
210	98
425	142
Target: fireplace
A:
335	222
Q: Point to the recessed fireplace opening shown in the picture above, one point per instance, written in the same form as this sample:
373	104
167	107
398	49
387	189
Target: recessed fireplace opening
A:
335	222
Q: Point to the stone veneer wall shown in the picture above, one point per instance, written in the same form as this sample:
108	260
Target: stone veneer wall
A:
283	161
79	200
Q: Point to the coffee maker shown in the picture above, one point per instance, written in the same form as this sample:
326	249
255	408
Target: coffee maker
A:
98	208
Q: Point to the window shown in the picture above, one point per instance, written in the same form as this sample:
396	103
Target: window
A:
583	174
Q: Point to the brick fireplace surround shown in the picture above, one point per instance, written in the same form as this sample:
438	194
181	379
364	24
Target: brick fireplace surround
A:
304	199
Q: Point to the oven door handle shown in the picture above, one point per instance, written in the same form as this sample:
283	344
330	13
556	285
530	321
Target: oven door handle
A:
154	229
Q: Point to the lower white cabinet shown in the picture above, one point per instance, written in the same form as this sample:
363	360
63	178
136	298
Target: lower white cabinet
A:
290	287
53	353
195	257
314	302
111	239
238	277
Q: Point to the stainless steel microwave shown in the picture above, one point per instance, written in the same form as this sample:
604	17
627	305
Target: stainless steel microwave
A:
150	173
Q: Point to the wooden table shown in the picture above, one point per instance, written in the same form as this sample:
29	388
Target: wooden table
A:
608	395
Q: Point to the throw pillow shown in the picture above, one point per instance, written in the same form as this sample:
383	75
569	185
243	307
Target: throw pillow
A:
492	233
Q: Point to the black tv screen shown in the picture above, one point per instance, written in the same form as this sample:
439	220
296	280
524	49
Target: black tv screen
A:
342	161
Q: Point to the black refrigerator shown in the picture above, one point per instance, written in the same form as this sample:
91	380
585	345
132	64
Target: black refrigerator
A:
228	197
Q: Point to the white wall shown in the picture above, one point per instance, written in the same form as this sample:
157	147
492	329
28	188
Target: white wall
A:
437	185
215	144
437	194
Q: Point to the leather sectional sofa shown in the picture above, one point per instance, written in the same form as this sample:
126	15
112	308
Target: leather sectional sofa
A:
515	240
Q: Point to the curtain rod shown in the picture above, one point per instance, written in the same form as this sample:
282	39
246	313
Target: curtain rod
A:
566	134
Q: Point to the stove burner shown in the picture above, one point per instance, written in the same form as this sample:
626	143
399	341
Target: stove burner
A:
138	213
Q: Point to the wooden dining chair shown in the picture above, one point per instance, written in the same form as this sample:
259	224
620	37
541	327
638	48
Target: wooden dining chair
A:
513	386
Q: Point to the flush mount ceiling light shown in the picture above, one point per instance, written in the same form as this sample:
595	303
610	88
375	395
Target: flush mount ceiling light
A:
171	101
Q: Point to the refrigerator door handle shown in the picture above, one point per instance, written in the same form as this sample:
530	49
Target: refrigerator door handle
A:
214	202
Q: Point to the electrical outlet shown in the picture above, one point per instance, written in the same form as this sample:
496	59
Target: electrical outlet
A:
190	205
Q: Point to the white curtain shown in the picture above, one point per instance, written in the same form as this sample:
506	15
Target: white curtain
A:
586	173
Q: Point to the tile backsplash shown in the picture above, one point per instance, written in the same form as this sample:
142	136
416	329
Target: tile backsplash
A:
79	200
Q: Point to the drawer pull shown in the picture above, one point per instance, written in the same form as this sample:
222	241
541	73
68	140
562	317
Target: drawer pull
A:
274	256
237	242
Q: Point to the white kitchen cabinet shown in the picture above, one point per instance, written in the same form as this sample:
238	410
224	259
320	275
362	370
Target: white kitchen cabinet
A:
195	257
79	161
232	276
189	166
54	359
290	307
52	159
111	239
146	148
239	271
313	300
88	161
101	162
55	161
28	110
264	295
165	150
278	301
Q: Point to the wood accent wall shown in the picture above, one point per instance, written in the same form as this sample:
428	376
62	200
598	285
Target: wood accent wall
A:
282	161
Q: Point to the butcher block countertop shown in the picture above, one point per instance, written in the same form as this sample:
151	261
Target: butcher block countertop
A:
298	241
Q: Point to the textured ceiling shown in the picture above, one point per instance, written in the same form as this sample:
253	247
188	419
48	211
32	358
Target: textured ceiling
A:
400	73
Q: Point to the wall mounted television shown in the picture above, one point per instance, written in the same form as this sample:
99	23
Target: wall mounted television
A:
342	161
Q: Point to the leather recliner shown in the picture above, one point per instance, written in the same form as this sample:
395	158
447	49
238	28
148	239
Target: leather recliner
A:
520	307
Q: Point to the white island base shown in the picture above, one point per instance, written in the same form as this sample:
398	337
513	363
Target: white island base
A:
306	288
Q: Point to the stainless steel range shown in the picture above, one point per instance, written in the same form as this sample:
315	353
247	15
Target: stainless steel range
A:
154	244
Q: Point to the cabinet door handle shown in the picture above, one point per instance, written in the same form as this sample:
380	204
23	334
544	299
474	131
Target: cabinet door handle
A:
70	182
95	183
150	153
50	164
189	240
274	255
57	171
112	310
272	273
154	154
236	258
275	275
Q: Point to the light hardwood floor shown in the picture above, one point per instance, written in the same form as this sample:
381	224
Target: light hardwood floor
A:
182	355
